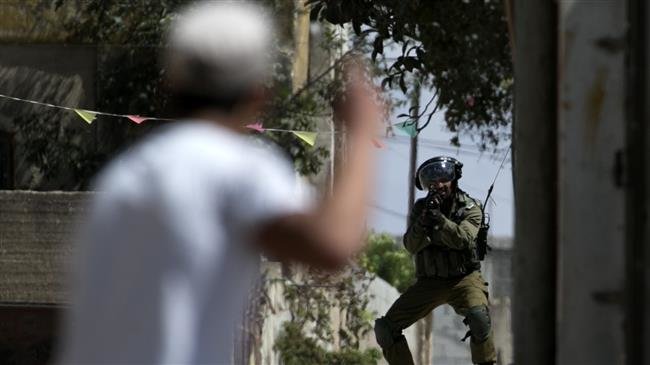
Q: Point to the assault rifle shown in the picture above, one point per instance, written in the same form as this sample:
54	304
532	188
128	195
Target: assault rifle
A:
433	199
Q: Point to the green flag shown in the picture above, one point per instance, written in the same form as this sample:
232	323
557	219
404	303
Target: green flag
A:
407	127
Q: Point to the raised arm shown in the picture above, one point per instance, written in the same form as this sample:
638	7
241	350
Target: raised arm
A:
334	231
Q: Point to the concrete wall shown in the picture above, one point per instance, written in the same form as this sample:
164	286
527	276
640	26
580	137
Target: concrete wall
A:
275	313
448	327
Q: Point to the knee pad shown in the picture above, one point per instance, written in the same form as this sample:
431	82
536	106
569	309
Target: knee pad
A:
478	320
384	333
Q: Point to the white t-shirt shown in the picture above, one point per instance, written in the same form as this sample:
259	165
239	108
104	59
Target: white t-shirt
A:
165	261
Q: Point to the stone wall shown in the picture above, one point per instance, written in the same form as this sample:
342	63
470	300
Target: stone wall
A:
35	231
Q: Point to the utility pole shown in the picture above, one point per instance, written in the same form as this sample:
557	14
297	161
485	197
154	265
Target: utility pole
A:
300	66
413	160
535	165
424	327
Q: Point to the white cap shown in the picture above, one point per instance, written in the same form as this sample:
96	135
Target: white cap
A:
219	49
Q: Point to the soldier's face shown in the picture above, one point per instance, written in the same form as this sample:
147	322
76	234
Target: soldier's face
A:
443	187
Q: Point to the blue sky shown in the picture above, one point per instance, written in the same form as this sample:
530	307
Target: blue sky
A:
391	191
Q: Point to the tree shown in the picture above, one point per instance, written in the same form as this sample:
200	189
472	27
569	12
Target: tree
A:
132	80
460	47
386	259
127	38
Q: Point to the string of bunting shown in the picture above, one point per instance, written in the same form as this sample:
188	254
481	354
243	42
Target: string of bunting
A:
309	137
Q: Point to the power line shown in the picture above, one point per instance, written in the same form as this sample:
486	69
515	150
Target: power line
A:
481	190
389	211
448	148
393	140
445	144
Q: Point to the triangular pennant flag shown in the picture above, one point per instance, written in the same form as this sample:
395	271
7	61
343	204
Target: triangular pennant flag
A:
136	118
89	117
377	143
407	127
256	126
308	137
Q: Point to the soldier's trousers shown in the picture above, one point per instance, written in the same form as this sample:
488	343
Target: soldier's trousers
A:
425	295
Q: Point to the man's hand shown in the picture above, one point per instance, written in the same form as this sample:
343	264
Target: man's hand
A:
360	106
431	218
334	231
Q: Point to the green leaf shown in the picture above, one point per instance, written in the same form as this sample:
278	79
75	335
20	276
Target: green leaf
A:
402	84
356	26
378	44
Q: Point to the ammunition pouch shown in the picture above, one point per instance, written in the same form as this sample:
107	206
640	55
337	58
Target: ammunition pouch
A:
436	261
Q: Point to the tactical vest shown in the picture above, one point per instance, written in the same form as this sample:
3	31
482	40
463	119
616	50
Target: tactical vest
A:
440	261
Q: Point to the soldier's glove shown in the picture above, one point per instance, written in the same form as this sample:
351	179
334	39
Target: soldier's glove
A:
436	217
431	218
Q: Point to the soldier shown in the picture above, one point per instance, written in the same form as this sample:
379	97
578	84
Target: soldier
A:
442	236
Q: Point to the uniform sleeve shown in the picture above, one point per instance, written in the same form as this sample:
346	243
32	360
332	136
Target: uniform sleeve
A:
416	237
459	236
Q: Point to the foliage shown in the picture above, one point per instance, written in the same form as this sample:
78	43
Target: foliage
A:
298	111
124	23
119	22
385	258
56	148
297	349
127	37
460	47
310	301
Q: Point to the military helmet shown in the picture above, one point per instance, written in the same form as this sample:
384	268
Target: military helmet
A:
439	168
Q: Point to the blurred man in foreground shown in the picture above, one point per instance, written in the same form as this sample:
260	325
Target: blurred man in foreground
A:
172	244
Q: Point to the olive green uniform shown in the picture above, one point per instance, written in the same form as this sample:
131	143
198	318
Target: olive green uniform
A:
447	272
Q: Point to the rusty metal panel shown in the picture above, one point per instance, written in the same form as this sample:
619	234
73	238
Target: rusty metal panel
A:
643	213
591	232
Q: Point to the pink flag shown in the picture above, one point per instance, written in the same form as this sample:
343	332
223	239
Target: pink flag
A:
257	126
136	118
